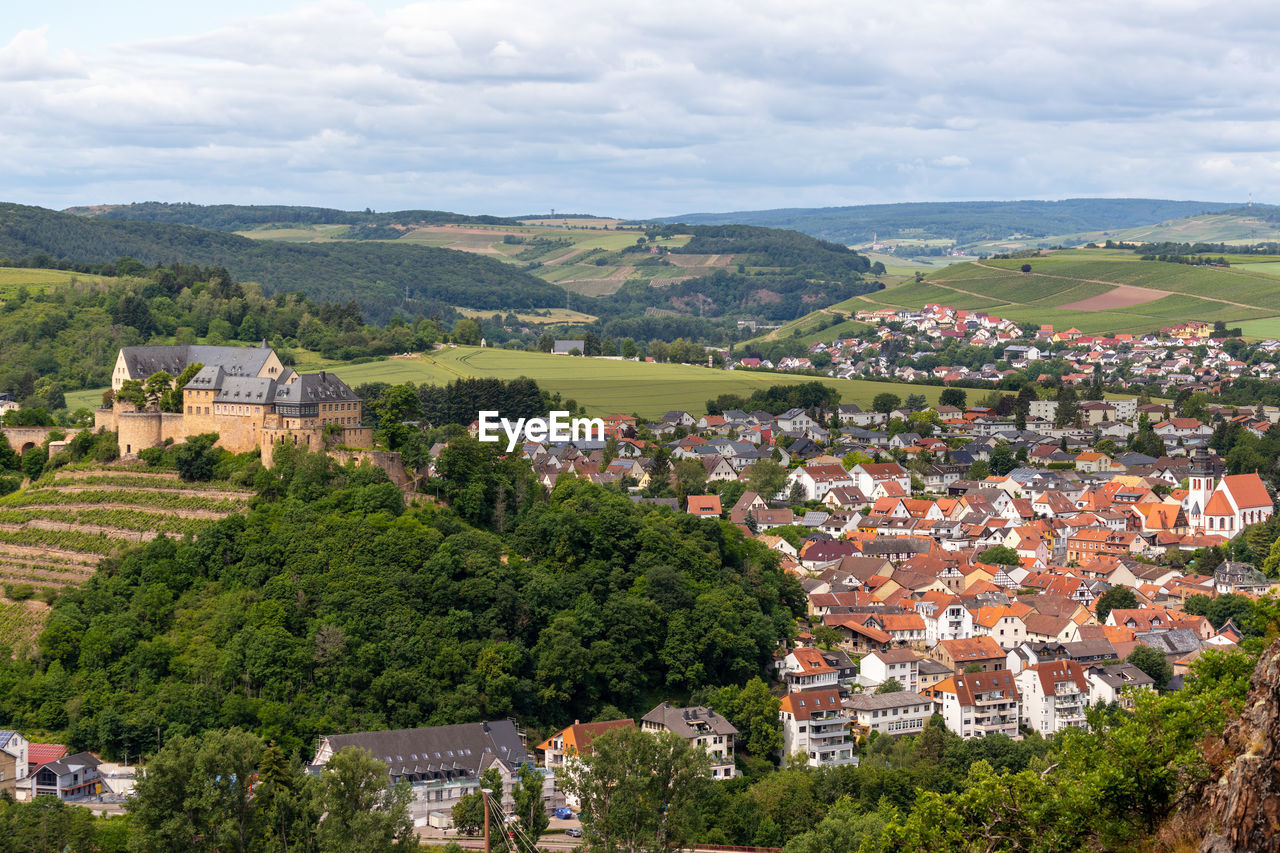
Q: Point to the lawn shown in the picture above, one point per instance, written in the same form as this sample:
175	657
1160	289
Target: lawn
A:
605	386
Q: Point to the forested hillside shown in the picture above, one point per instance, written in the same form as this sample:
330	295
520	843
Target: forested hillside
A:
964	222
330	607
66	338
381	277
242	217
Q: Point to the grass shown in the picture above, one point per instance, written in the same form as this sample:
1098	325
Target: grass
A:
1193	293
605	386
36	280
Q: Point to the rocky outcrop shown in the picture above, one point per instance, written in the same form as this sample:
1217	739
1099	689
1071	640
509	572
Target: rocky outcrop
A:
1243	805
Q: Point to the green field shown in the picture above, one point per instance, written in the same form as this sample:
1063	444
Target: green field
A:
1244	293
606	386
36	280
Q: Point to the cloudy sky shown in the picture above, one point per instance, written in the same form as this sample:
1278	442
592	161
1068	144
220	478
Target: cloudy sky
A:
636	109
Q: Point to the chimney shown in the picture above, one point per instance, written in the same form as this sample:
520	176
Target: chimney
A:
322	376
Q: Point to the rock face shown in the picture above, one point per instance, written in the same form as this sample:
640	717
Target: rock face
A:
1243	806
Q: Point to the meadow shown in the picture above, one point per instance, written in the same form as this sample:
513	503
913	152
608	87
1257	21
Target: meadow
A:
36	280
605	386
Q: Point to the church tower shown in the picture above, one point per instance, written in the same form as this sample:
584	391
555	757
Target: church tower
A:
1201	485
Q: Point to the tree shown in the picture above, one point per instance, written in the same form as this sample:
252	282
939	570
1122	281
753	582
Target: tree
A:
979	470
529	809
1068	408
1002	460
914	402
196	457
468	812
637	790
893	685
1025	268
766	478
753	710
467	332
953	397
1153	663
1000	555
691	477
885	402
1116	598
362	813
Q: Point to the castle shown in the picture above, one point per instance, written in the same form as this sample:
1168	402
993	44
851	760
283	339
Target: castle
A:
244	394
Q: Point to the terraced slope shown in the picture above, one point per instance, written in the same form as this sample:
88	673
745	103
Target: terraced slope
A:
54	532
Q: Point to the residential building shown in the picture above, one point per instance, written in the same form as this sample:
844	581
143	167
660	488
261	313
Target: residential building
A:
70	778
903	713
815	724
901	665
1054	696
701	727
442	764
13	760
1116	683
977	704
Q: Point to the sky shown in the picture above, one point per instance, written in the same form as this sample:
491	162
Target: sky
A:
636	109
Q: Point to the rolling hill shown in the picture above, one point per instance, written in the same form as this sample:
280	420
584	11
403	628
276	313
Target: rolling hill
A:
1094	290
381	277
962	223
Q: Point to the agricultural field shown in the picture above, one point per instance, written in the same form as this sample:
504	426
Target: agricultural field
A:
1095	291
54	532
36	280
605	386
1208	228
582	255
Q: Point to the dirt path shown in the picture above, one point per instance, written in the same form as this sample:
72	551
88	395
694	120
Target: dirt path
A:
217	494
572	253
83	558
112	532
42	576
115	472
209	514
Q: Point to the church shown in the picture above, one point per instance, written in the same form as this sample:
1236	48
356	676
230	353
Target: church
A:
244	394
1225	506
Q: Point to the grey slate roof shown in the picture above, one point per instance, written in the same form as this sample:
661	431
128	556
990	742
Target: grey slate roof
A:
236	361
690	722
259	391
322	387
456	749
882	701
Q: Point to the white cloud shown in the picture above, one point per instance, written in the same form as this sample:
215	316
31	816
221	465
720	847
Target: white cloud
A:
504	107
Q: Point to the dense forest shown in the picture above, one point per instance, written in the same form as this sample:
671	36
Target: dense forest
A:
244	217
382	277
964	221
331	607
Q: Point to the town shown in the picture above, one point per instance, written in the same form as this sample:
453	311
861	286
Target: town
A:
1001	568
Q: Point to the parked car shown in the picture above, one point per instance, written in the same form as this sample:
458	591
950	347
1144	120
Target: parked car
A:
573	832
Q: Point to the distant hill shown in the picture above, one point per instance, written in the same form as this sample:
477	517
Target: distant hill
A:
243	217
380	276
965	222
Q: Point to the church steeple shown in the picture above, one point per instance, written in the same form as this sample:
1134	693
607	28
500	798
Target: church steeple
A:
1201	483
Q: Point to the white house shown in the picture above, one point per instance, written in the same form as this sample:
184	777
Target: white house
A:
1116	683
901	713
816	481
814	723
976	704
1054	695
901	665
